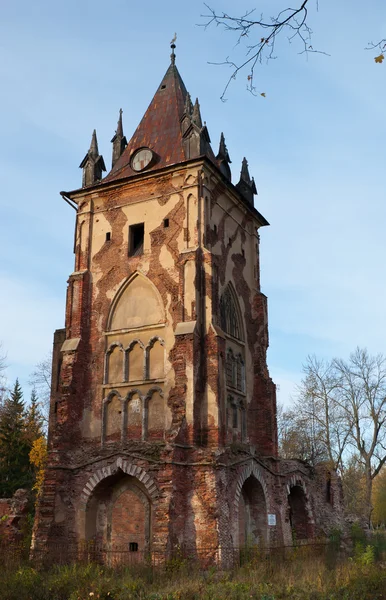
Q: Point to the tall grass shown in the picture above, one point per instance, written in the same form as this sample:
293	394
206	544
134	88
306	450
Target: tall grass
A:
299	575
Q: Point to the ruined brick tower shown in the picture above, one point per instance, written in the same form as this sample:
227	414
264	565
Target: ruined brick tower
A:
163	415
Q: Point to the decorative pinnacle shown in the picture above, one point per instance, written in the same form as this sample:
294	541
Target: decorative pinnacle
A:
120	126
196	114
244	175
173	45
94	145
188	105
223	151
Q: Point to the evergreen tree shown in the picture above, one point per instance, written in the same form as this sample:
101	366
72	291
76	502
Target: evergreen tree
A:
34	419
15	468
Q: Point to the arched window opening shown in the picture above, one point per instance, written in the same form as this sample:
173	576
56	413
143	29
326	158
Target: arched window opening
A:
230	370
240	384
229	314
298	515
243	419
252	514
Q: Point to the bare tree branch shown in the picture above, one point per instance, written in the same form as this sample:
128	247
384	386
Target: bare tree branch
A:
264	33
40	379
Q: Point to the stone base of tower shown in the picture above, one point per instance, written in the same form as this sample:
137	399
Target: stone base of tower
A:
159	502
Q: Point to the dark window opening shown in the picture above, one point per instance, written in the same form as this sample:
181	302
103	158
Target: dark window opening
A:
136	236
58	374
108	236
163	87
235	423
166	222
328	489
133	547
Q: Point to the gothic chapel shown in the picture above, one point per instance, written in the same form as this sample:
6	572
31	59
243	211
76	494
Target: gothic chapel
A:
162	430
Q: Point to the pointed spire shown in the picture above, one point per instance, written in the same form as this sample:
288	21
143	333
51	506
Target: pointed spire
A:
119	141
166	129
196	115
222	150
246	185
92	164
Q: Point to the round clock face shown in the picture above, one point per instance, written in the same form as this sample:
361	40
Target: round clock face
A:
141	159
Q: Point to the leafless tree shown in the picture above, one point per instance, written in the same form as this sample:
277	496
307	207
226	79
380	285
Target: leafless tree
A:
362	397
299	437
318	402
263	32
40	380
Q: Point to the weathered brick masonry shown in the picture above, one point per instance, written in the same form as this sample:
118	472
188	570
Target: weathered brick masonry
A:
163	414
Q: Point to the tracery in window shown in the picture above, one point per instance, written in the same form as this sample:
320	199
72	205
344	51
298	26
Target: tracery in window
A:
229	314
240	383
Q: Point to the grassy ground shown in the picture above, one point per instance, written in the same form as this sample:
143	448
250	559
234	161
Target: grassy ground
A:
300	576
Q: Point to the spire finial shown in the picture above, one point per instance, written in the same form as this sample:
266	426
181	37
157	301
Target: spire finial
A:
94	145
119	126
173	45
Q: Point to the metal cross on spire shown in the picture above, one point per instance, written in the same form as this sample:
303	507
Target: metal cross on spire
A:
173	45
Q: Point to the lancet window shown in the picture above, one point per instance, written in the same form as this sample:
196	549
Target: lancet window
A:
229	314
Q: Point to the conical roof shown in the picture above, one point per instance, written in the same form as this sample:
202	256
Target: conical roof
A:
159	128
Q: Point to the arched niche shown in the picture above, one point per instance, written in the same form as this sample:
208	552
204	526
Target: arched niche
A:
113	415
155	414
134	415
114	364
135	361
155	355
118	517
136	304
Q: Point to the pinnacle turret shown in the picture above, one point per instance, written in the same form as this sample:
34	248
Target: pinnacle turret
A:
246	185
223	150
196	114
92	164
119	141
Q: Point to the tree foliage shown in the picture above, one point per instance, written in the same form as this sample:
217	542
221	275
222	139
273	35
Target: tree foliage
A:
19	428
14	448
38	458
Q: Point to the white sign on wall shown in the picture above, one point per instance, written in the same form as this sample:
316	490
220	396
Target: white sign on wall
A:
272	520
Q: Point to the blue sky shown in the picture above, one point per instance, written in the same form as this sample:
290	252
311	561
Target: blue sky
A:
315	146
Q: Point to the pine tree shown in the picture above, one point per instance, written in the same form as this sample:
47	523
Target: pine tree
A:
15	468
34	419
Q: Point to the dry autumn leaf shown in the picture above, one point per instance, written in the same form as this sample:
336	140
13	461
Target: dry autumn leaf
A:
379	59
263	94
